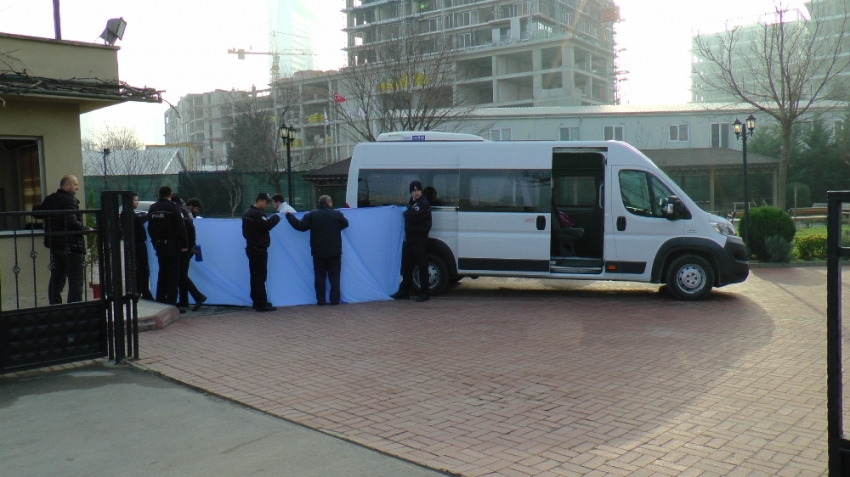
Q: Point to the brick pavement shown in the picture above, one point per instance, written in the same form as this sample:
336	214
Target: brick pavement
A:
519	377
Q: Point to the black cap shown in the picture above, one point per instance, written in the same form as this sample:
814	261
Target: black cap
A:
263	196
415	185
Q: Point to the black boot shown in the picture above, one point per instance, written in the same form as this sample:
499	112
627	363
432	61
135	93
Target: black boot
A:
400	295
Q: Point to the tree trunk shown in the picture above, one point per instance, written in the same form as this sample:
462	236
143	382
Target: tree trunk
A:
784	161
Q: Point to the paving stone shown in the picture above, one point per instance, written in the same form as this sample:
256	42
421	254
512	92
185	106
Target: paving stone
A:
520	377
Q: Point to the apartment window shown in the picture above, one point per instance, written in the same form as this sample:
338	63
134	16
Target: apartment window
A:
466	18
569	134
503	134
720	135
463	40
614	133
679	133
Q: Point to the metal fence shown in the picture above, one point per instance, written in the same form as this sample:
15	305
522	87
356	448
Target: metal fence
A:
100	321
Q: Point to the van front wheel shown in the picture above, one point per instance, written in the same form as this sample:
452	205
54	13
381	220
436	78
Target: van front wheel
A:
690	277
438	275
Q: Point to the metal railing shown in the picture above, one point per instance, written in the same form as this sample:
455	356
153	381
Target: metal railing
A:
35	332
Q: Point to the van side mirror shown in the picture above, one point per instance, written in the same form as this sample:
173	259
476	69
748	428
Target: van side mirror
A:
674	209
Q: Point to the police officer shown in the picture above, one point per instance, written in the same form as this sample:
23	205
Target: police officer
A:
255	229
325	225
417	224
168	234
186	286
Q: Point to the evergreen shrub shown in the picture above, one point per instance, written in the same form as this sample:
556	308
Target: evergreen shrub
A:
766	222
778	249
811	247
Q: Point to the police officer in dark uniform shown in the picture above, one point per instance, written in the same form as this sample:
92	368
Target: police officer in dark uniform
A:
185	285
255	229
417	224
168	234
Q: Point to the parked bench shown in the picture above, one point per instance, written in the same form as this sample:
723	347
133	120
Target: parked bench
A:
806	216
809	215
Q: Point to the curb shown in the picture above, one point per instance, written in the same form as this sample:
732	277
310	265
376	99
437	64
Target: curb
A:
814	263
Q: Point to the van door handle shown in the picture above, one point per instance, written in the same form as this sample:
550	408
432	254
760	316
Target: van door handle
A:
621	223
541	222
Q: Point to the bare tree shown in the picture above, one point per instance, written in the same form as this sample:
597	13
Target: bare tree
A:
114	138
406	83
255	138
782	67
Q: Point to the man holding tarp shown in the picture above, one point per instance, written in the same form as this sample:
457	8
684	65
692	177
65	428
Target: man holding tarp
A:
325	225
255	229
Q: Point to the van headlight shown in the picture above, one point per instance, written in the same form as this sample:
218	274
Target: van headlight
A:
723	228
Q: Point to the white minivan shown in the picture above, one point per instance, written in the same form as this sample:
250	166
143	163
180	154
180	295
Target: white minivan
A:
596	210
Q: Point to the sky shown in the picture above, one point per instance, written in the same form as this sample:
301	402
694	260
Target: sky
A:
180	46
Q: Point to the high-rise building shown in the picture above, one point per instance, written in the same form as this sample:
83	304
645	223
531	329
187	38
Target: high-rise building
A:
292	26
510	52
814	30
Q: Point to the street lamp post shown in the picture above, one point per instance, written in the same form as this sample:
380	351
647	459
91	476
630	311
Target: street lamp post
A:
742	131
106	152
287	135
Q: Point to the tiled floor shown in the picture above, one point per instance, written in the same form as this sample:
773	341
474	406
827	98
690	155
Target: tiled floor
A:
527	377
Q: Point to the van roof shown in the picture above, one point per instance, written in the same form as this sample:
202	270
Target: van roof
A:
426	136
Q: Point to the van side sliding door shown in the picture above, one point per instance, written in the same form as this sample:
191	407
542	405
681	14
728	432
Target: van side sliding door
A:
503	220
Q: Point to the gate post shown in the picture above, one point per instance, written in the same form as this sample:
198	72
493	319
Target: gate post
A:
120	277
838	445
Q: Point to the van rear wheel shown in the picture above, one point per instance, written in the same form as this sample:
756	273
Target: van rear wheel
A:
690	277
438	275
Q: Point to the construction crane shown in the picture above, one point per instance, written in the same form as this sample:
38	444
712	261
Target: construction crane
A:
275	70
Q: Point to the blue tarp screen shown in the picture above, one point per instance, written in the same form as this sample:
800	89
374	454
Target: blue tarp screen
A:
371	259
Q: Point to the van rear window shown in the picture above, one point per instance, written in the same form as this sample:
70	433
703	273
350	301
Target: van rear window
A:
376	187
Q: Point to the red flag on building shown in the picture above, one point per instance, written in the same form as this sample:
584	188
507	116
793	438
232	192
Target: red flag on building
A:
339	98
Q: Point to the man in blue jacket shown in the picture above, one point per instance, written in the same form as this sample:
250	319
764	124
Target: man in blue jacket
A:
325	225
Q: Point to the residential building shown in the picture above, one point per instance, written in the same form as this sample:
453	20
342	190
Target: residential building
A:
204	122
511	53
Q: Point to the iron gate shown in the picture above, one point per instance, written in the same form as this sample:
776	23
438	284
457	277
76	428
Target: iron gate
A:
34	333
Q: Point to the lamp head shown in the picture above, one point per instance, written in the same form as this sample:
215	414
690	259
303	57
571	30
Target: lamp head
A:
736	128
114	30
751	123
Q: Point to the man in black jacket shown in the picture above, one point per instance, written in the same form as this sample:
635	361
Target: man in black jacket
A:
325	225
417	224
255	229
185	285
65	240
168	234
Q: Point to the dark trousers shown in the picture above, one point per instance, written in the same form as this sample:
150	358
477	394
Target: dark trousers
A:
413	255
66	266
327	268
186	285
258	261
143	271
168	256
